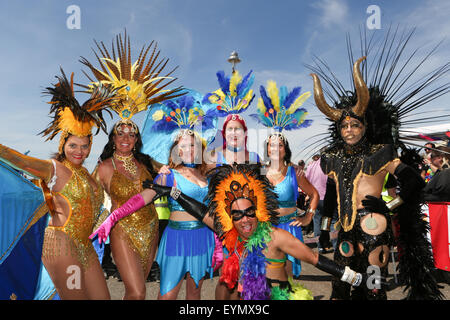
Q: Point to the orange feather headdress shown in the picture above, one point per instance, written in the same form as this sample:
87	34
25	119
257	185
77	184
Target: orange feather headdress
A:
229	183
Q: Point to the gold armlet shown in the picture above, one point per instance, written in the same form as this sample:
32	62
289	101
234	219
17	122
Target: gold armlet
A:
397	201
325	224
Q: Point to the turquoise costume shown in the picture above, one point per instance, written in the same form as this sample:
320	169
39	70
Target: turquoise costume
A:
186	246
287	192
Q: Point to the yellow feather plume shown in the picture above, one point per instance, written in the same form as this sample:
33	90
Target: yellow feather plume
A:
234	81
68	122
272	91
298	102
158	115
261	106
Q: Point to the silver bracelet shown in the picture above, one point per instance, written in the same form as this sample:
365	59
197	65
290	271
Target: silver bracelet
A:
351	277
175	193
300	213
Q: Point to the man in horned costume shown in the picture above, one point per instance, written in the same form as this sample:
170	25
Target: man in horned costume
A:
363	150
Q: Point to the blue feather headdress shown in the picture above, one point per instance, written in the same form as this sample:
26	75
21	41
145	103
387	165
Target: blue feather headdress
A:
165	121
281	110
184	113
234	95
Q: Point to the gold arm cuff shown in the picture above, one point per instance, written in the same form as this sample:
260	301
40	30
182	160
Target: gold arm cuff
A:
325	224
397	201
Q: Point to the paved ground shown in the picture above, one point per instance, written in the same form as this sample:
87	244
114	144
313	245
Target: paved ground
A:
313	279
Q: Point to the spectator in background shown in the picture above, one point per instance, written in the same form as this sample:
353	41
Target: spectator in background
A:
428	147
438	188
301	200
427	172
301	164
319	180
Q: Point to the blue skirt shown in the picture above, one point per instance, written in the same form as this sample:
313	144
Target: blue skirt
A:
296	232
186	246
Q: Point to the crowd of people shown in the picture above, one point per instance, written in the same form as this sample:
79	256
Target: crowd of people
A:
229	211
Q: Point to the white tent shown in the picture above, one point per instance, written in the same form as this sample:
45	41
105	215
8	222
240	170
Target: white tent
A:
439	131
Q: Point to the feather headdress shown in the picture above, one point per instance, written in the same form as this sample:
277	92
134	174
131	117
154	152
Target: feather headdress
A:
280	109
229	183
69	117
234	95
383	93
226	185
165	121
185	113
139	84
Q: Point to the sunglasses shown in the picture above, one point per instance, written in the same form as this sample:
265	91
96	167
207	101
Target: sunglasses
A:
237	215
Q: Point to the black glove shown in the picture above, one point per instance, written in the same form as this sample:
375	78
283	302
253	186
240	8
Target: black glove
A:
161	191
324	239
195	208
348	275
374	204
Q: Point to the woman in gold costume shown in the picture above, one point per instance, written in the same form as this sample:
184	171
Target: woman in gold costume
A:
72	195
123	167
134	238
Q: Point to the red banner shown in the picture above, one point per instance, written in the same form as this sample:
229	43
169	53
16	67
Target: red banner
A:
439	215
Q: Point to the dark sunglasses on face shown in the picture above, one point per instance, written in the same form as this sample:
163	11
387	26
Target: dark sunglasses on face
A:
237	215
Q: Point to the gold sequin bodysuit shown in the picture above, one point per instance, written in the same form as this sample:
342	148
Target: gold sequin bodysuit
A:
84	204
139	228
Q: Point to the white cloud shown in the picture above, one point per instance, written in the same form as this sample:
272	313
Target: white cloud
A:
333	13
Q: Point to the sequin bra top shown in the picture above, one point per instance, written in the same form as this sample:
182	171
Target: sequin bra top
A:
84	203
286	190
188	188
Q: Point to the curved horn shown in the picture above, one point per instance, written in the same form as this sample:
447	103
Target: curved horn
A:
361	90
332	113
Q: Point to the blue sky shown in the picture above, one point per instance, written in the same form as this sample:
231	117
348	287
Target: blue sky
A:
273	38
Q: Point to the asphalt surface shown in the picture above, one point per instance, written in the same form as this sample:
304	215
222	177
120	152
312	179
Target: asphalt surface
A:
313	279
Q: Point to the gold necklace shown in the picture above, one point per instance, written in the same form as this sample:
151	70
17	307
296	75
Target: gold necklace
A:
128	163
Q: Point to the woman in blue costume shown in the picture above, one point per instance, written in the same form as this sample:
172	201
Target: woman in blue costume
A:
279	109
187	245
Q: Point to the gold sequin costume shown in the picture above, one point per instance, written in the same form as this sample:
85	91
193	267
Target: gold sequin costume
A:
139	228
84	204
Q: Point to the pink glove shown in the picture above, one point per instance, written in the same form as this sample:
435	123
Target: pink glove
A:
132	205
217	259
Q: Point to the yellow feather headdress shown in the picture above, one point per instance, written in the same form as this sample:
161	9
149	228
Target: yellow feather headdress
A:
71	118
139	84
